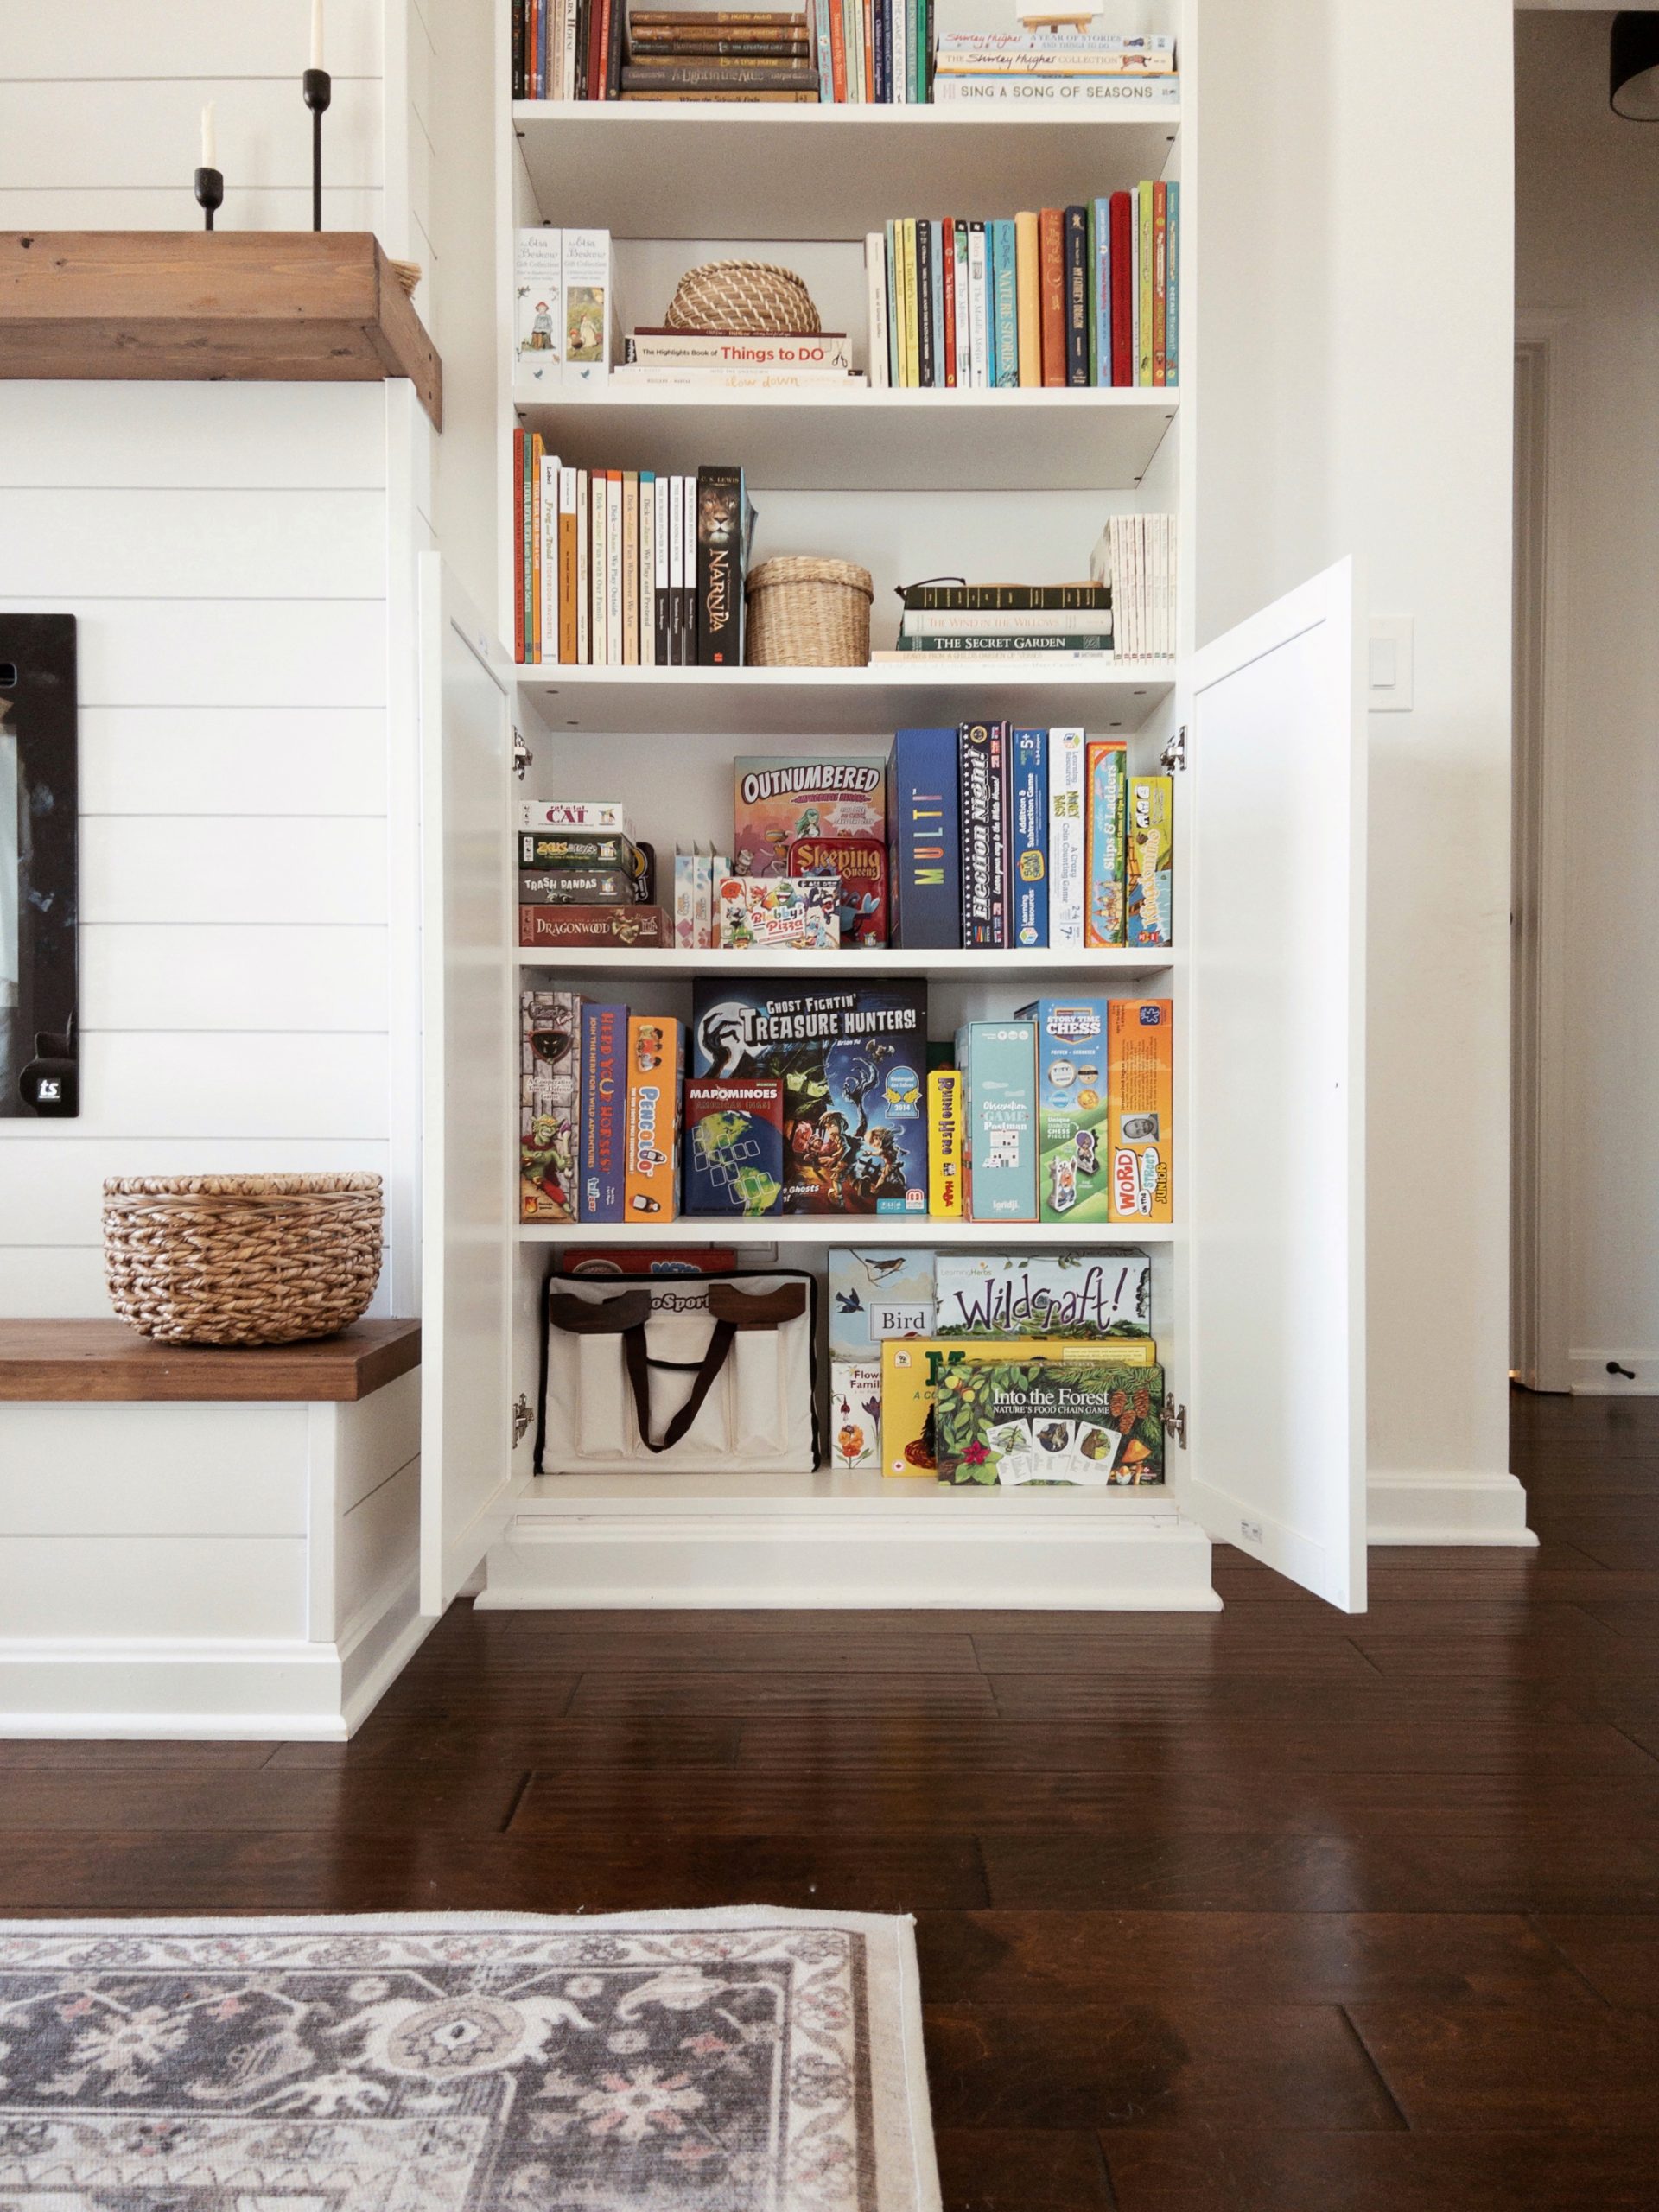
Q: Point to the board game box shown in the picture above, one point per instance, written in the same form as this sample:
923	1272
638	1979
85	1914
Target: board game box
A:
765	912
852	1060
1102	1293
1072	1158
1140	1089
854	1413
550	1038
1074	1422
734	1146
874	1295
796	815
912	1368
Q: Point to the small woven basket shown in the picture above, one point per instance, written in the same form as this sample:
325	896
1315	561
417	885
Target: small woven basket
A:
804	612
241	1259
743	299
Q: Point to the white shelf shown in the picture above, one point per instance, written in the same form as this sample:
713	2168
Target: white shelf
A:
853	438
639	1493
720	169
841	1229
1083	966
845	702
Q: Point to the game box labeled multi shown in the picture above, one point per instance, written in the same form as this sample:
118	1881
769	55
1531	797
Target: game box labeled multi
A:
852	1061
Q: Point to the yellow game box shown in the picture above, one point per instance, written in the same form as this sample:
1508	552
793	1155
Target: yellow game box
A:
1139	1107
911	1367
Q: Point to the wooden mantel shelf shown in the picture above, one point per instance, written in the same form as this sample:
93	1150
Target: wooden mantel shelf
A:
106	1362
261	306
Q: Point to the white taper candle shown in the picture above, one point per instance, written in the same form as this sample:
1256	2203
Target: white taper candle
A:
316	34
209	144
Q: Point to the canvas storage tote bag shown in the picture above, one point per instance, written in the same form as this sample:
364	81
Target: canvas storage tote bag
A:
679	1375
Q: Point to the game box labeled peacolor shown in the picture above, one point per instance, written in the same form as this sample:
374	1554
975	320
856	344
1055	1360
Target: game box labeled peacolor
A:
853	1063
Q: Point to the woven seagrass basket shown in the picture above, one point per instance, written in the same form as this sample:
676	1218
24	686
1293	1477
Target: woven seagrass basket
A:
805	613
241	1259
742	299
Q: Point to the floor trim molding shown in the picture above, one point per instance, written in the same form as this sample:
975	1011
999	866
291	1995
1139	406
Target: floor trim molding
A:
1445	1507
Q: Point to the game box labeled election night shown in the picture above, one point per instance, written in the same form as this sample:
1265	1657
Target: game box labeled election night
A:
853	1063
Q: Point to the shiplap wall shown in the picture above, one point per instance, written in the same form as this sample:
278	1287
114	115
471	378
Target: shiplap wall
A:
227	549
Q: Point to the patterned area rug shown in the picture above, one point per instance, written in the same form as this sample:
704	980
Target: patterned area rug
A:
747	2060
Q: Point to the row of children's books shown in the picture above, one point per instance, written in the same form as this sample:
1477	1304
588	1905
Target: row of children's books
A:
789	1098
1078	296
840	51
625	567
1006	1368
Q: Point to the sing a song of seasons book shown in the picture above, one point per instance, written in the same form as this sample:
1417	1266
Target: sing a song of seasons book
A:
852	1060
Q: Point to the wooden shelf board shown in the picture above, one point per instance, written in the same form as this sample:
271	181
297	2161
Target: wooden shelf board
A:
841	1229
1080	967
259	306
714	169
105	1362
845	702
853	438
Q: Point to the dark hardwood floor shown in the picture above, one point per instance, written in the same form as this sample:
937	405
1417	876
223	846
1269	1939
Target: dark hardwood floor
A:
1273	1910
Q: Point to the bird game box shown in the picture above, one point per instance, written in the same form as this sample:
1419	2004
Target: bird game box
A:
1088	1421
800	816
874	1295
852	1061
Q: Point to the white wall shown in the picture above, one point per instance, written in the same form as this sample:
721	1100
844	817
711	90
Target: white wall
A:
225	550
1356	319
1588	252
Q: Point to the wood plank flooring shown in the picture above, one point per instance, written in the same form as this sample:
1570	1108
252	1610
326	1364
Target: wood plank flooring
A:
1273	1910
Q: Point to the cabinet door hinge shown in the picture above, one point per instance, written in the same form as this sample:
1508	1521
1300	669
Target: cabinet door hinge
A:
1174	754
1175	1421
522	758
522	1417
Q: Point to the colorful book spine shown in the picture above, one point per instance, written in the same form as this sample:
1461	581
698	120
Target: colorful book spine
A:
1005	305
997	1060
1143	283
1159	279
1122	294
720	567
1050	244
1149	860
1028	866
933	301
1028	299
948	301
1172	288
1100	336
944	1144
604	1109
1077	295
976	808
1106	777
1065	838
924	839
652	1159
1002	833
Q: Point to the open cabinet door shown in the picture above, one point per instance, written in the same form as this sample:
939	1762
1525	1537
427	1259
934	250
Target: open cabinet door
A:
1276	1036
468	1120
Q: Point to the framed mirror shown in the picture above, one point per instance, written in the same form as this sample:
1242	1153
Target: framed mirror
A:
40	867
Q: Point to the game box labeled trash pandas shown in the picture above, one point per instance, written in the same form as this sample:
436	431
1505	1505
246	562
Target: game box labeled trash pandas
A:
853	1063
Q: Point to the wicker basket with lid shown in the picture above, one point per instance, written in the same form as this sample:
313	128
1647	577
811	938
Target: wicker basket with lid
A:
808	613
743	299
241	1259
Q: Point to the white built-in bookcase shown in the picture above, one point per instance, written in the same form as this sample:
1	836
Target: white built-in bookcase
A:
1257	1307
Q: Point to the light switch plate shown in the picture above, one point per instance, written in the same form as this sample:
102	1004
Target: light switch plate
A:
1388	675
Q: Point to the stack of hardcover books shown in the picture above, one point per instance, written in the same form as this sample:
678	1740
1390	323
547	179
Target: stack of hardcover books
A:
963	618
686	55
818	358
1057	68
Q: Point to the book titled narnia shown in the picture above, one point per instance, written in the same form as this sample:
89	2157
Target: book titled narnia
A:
720	535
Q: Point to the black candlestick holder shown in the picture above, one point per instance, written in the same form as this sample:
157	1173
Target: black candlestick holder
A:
210	194
319	88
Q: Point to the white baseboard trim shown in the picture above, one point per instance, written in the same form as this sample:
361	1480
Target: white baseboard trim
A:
1443	1506
200	1689
1588	1375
